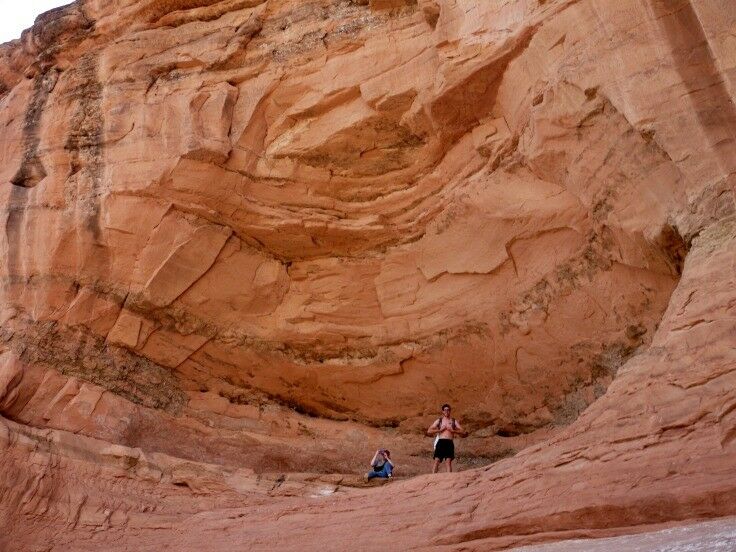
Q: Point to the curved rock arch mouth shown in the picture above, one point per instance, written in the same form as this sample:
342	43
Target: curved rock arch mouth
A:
361	248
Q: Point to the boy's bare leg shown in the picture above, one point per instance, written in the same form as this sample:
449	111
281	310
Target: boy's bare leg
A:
436	465
449	465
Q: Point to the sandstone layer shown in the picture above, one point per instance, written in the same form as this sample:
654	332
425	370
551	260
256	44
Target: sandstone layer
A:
249	241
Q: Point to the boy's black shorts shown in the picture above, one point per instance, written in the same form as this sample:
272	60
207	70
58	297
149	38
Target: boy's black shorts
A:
445	449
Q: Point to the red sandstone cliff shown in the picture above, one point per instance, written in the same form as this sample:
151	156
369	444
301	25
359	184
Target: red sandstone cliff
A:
247	240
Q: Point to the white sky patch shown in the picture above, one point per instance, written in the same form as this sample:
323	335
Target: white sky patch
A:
18	15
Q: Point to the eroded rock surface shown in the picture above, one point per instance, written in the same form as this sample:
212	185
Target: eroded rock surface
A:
249	241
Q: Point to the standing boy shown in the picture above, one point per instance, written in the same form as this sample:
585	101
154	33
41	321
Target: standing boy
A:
445	428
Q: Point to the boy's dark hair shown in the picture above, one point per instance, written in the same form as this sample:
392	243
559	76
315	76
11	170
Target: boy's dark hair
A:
446	406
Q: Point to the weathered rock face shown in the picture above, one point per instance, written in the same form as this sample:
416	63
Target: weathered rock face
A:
222	215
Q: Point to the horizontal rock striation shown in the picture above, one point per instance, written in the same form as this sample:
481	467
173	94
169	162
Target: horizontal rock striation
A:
249	239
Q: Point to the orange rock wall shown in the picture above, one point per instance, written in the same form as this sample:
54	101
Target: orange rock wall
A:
359	211
221	215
